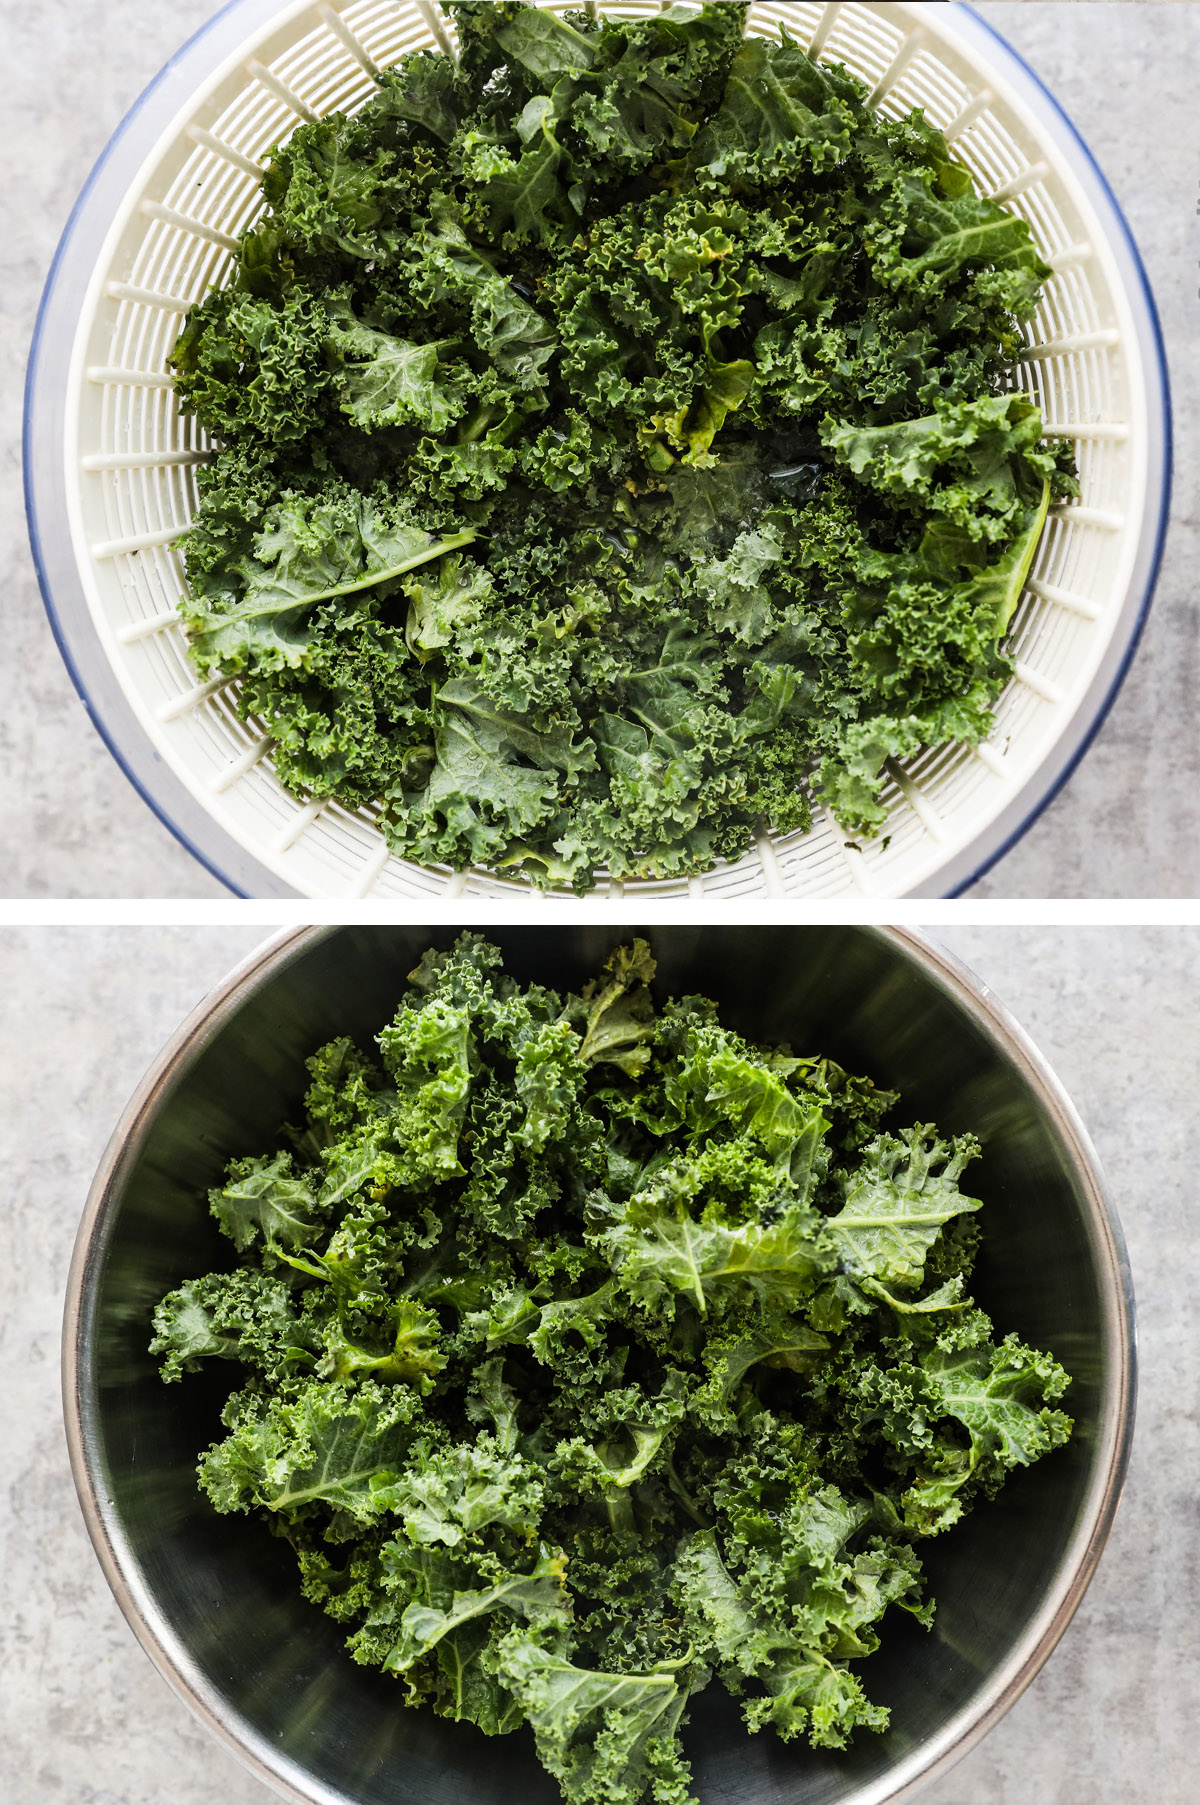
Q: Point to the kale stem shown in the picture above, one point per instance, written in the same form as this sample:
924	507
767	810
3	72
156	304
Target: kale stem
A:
619	1505
680	1490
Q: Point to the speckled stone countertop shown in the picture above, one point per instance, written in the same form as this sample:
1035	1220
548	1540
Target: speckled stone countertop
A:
1127	824
84	1717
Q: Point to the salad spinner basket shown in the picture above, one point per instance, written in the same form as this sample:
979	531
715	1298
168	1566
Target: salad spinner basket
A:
110	461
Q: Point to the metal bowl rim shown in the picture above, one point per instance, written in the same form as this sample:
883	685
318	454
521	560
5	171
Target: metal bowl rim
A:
933	1756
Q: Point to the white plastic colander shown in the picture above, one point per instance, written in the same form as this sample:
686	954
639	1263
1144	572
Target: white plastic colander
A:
110	462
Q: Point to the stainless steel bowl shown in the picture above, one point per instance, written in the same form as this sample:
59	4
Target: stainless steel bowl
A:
215	1600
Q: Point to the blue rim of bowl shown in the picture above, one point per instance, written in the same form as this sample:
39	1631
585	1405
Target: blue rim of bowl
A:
240	872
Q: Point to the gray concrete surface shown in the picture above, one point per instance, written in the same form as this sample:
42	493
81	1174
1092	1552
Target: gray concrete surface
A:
1128	823
85	1719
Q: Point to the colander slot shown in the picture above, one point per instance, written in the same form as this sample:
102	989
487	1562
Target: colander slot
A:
255	121
217	147
221	731
856	865
825	25
1069	258
371	874
864	39
320	68
1076	515
958	777
140	460
141	542
825	858
928	84
216	193
772	881
988	755
1086	429
917	801
196	228
437	30
134	379
973	110
1063	598
1068	347
147	297
1034	680
347	840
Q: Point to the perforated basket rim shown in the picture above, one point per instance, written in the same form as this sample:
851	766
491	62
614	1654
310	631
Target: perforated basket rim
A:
143	133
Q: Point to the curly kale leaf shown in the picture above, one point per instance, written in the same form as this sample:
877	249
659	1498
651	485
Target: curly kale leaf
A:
785	1633
897	1203
248	364
657	1247
264	1199
998	1395
243	1316
410	1353
538	1596
386	381
975	465
329	1447
306	554
774	1340
620	1013
460	1491
778	99
602	1735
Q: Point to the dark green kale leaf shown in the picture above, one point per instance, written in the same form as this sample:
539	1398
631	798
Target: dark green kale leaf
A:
778	101
264	1198
424	1628
307	553
325	1449
245	1316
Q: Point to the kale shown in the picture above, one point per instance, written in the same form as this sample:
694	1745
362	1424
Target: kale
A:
615	447
586	1351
